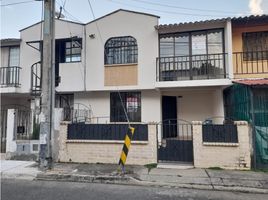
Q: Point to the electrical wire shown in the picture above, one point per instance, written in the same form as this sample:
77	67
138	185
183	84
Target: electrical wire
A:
22	2
165	11
183	8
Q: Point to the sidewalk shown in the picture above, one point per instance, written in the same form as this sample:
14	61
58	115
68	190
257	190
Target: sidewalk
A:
228	180
19	169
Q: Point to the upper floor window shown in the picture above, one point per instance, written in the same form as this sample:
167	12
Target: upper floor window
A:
69	50
194	43
14	56
255	45
121	50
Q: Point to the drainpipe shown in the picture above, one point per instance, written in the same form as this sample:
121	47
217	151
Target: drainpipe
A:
84	57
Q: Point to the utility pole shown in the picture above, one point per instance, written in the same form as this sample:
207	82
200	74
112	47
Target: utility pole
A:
48	85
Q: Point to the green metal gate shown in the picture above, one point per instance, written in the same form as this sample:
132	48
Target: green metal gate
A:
250	103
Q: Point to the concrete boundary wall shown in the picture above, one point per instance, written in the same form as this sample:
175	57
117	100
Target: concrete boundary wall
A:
106	151
224	155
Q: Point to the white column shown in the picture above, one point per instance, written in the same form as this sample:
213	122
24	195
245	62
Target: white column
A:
229	48
11	127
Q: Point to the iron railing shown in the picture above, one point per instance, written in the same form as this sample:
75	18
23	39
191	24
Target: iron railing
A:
10	76
254	62
223	133
191	67
36	78
82	131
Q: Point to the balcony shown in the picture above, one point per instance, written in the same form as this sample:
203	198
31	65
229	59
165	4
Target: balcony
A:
193	67
250	64
10	76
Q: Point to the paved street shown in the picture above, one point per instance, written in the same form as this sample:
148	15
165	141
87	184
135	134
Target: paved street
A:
47	190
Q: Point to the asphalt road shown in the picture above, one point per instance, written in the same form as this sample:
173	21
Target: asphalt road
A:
48	190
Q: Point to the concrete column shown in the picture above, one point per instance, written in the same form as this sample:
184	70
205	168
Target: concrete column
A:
11	127
197	142
55	139
229	48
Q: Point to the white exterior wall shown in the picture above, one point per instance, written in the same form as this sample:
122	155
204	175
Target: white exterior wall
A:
100	105
198	104
142	28
10	140
29	55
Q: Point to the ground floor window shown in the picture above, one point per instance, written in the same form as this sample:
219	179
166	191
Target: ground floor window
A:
64	100
130	101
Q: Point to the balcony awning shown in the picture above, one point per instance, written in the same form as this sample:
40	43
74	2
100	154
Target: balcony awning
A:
253	82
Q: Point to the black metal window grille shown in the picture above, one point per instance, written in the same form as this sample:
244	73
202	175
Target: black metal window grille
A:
64	100
253	43
132	104
73	50
121	50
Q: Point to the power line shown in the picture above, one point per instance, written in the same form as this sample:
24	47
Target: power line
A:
184	8
166	11
66	12
22	2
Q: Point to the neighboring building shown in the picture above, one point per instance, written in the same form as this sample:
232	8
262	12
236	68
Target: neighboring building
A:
125	62
247	99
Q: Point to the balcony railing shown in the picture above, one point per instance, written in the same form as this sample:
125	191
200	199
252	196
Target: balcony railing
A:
255	62
36	78
10	76
194	67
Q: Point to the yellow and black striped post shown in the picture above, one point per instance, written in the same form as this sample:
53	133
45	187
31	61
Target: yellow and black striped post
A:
126	146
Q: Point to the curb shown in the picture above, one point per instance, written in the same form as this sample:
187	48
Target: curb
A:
128	180
83	178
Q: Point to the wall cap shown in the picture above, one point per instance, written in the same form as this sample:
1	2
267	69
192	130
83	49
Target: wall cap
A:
65	122
240	122
221	144
197	122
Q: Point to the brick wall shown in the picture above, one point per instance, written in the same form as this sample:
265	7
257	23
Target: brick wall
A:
100	151
224	155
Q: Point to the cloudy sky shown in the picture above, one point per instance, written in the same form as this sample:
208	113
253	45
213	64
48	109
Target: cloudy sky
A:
17	14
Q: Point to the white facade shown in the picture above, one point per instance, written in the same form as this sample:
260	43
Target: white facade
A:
139	26
85	80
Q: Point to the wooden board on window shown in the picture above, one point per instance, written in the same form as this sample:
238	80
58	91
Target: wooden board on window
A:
120	75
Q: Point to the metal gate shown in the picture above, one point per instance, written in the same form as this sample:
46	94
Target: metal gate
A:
23	122
177	142
3	129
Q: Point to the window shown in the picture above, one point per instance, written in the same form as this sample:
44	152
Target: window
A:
14	56
121	50
73	51
192	43
132	104
254	46
64	100
68	50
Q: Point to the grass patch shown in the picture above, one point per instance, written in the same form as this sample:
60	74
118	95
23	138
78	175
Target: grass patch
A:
215	168
150	166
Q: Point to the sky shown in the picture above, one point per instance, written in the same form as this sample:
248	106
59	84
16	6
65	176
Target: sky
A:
18	14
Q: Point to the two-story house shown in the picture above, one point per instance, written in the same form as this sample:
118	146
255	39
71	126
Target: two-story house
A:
125	66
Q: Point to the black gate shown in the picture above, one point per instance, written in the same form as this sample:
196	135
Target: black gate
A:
177	143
